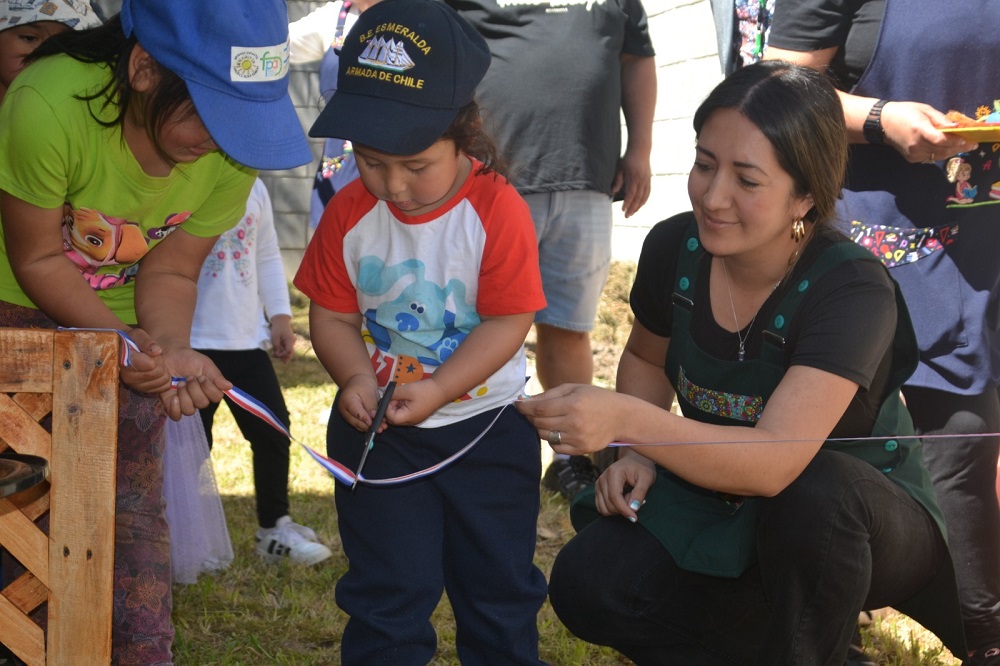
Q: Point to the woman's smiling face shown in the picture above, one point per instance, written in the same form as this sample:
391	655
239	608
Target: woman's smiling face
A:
742	198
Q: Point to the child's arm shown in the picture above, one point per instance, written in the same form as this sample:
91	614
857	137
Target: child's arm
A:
166	288
272	285
282	337
485	350
336	338
34	242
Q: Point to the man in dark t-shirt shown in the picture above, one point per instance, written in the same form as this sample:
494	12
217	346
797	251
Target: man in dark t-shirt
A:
563	72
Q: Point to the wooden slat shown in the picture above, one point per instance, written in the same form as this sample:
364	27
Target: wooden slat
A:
27	592
36	404
21	431
82	473
74	376
26	361
20	634
32	502
24	540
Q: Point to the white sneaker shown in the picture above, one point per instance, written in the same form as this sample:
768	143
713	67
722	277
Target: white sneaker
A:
288	540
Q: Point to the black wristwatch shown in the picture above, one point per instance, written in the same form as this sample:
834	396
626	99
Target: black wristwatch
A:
872	129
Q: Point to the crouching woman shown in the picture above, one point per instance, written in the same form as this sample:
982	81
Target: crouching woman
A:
792	494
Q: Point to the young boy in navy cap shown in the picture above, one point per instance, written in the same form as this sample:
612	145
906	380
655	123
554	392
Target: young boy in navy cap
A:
424	272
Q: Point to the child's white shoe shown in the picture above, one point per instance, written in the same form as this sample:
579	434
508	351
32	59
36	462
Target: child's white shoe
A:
288	540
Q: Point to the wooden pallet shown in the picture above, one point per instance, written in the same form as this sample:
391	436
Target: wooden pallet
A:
72	376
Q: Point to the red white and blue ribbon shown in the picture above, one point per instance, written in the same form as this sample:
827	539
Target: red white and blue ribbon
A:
346	476
339	471
261	411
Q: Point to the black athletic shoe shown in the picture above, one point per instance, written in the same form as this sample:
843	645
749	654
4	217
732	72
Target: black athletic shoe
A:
857	657
568	476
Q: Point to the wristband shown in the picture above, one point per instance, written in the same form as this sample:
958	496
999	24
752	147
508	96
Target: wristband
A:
872	129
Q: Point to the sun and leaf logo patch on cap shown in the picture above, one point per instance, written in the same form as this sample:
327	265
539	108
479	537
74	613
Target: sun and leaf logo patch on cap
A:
259	63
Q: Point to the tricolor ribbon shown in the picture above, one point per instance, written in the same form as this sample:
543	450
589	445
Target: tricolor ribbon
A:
261	411
339	471
346	476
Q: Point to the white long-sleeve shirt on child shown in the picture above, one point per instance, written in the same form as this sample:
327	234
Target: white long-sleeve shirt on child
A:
242	280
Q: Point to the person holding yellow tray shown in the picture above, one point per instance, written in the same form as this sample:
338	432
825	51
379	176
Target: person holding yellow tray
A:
926	201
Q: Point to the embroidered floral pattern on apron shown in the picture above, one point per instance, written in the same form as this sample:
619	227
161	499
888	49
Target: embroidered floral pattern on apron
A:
729	405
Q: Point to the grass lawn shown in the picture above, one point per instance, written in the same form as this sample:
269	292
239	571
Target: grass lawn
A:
253	613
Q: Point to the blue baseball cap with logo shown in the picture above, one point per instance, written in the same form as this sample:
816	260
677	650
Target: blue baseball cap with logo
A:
406	69
233	56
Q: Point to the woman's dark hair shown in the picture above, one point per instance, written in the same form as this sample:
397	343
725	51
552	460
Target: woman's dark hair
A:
108	45
471	138
799	112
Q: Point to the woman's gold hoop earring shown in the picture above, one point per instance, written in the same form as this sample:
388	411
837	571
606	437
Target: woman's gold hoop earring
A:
798	230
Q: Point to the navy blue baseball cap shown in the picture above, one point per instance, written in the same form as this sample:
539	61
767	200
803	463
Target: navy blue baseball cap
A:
233	56
406	68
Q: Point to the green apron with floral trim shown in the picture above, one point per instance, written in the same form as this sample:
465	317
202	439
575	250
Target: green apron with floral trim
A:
715	534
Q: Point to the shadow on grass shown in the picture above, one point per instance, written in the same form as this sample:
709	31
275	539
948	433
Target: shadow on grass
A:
255	613
303	371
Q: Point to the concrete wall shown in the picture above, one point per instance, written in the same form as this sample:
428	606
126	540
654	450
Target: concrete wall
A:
687	69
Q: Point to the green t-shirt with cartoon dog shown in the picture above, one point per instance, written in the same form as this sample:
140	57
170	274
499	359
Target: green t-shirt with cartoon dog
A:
54	153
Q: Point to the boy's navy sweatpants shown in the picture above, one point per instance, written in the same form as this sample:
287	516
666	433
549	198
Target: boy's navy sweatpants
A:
468	529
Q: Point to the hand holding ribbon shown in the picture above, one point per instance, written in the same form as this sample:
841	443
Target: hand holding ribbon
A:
336	469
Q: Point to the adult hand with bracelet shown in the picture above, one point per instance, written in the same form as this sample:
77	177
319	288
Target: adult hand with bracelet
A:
902	52
912	128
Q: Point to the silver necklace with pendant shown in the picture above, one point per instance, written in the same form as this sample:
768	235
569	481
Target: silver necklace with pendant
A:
742	338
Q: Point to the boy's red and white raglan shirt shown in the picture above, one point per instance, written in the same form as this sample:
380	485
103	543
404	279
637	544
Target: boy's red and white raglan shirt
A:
422	283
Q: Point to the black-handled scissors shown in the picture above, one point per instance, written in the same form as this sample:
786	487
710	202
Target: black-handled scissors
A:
383	404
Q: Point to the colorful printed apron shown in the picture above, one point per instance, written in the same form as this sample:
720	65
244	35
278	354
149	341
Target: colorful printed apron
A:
936	226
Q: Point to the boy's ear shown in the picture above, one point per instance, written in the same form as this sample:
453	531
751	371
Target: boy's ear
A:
143	72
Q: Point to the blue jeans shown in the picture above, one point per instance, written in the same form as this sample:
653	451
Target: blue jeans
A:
841	538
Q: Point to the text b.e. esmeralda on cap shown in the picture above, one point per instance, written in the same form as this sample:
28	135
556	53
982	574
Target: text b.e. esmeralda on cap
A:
386	60
416	59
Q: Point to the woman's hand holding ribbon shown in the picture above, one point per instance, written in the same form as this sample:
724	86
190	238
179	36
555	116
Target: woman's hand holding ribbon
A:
585	417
